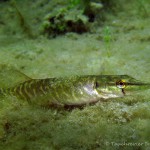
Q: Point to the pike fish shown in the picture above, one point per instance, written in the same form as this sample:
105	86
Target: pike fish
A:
75	91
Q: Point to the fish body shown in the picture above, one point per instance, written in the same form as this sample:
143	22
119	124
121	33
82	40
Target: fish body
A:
61	91
76	90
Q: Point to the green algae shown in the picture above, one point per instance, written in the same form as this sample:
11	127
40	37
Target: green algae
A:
90	128
108	39
74	17
95	127
22	22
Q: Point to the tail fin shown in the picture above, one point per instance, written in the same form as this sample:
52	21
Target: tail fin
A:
10	77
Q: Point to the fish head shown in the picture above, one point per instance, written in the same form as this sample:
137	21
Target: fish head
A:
119	86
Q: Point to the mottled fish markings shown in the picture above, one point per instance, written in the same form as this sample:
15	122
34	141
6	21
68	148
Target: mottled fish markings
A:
75	91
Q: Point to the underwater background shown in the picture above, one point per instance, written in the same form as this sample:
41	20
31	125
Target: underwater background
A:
59	38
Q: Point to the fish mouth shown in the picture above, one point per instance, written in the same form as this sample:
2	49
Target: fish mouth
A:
135	87
138	84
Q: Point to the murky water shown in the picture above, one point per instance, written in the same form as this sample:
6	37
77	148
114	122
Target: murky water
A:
115	41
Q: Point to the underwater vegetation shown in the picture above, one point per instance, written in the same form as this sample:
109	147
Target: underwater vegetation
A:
75	17
113	45
108	39
59	17
22	21
142	8
74	3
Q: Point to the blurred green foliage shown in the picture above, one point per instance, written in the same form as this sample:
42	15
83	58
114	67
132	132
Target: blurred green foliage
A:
74	3
107	37
142	8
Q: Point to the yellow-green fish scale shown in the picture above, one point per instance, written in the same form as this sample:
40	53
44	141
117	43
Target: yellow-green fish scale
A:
53	90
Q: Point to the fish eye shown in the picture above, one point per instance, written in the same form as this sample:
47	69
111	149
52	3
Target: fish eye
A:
121	84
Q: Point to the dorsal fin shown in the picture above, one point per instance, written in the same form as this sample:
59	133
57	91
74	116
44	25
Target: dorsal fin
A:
9	76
